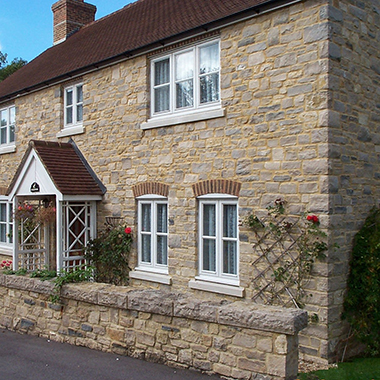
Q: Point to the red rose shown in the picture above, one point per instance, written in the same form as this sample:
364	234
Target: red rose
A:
128	230
312	218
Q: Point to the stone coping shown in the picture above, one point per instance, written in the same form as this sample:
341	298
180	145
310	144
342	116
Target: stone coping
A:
238	314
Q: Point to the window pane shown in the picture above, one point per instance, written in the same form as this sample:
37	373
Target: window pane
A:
209	220
162	218
11	133
209	254
184	65
69	97
209	59
229	221
3	212
79	94
229	257
69	115
146	248
3	233
145	217
79	112
161	72
162	250
209	88
161	99
4	118
184	94
3	137
12	115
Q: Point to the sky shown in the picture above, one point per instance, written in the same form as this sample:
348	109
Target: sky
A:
26	26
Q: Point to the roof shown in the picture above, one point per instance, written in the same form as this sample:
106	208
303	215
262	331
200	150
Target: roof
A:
139	26
66	166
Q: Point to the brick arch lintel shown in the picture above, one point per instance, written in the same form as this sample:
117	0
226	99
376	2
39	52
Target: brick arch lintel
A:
145	188
217	186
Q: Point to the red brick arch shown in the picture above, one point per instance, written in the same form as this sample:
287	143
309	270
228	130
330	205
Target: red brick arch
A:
145	188
219	186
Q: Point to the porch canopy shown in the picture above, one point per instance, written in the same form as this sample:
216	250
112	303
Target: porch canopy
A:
54	174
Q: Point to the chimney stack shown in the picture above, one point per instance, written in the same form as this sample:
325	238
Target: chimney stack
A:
69	16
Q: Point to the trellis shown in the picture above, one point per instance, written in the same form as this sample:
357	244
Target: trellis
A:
286	249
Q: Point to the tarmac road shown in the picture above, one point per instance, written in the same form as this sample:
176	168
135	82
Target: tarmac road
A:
26	357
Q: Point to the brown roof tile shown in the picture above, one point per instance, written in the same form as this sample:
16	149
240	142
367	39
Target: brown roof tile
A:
66	167
139	25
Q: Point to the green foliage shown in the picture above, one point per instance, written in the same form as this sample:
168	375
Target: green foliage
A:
43	274
362	301
18	272
109	255
8	69
74	276
358	369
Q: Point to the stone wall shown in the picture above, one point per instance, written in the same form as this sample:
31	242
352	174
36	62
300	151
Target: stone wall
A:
229	339
354	138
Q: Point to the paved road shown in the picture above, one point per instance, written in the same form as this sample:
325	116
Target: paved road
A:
25	357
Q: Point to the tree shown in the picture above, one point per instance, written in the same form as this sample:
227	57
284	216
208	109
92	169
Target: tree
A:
6	69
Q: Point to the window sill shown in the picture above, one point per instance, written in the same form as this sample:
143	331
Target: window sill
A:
70	131
215	287
173	119
8	148
149	276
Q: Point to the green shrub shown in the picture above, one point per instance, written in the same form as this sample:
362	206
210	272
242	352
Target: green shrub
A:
362	302
109	255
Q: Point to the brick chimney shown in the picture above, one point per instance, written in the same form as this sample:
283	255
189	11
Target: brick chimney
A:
69	16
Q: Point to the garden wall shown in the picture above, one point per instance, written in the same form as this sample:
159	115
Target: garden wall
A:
234	339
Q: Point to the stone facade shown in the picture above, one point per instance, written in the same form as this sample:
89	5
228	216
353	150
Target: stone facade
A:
229	339
300	89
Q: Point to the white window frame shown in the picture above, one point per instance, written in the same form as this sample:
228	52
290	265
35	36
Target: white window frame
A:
198	111
153	265
219	200
7	246
9	145
76	126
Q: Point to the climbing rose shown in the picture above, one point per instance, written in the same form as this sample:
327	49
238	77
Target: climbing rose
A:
313	218
128	230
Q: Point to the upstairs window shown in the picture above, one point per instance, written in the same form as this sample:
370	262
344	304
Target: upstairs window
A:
153	234
73	106
186	80
7	125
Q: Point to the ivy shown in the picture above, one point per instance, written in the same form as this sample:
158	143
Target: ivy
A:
362	301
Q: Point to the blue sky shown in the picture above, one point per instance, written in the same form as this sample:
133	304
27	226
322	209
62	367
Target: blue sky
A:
26	26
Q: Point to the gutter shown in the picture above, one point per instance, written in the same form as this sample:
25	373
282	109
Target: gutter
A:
266	7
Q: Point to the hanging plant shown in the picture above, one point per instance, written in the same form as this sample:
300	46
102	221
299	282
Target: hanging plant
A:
24	211
46	215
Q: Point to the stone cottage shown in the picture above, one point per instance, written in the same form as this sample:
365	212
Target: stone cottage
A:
181	120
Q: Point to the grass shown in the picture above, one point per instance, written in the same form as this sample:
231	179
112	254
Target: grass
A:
358	369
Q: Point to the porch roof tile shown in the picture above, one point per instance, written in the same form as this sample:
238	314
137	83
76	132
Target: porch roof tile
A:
66	167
